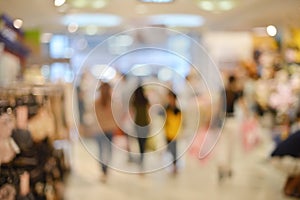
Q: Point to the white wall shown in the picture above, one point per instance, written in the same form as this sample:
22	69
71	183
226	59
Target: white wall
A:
9	68
226	48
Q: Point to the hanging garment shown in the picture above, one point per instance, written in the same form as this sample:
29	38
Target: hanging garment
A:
42	125
59	116
8	149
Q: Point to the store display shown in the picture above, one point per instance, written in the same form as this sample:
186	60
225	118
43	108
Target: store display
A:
42	125
30	166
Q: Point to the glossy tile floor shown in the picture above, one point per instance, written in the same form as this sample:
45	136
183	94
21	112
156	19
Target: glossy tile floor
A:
254	179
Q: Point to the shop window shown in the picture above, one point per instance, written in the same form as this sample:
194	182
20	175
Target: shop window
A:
61	72
59	46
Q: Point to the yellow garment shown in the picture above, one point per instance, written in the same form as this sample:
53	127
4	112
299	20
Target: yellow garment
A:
173	124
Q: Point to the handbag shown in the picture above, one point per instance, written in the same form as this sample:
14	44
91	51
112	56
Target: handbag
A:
292	186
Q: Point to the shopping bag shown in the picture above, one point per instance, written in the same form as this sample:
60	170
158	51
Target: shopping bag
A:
151	143
292	186
201	146
250	136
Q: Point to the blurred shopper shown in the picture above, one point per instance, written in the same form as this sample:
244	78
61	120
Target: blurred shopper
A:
286	158
124	89
105	117
141	106
229	135
81	107
172	127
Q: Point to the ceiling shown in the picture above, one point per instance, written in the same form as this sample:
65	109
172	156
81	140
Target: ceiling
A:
42	14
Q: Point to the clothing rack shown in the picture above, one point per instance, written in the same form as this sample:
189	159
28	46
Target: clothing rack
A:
45	163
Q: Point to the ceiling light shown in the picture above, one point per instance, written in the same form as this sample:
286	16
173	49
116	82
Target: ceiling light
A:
102	20
88	3
271	30
99	3
18	23
91	30
58	3
177	20
79	3
206	5
216	5
72	27
157	1
226	5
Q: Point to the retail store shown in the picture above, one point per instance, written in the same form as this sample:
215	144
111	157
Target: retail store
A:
149	99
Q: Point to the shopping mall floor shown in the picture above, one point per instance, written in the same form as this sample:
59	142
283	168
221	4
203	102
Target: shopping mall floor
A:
253	178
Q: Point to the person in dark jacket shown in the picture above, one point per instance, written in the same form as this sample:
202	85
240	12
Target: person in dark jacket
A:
140	105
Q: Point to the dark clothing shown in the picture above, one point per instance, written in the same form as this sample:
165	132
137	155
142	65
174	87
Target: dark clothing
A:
289	147
141	104
175	110
105	149
231	98
23	139
172	148
142	134
142	147
141	115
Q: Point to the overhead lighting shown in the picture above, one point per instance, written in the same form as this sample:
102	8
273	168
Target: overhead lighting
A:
59	3
157	1
226	5
88	4
102	20
206	5
99	3
18	23
216	5
91	30
79	3
271	30
177	20
72	27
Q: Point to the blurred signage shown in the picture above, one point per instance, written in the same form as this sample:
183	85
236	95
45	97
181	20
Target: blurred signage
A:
12	37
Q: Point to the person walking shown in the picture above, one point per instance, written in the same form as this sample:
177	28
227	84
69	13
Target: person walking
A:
172	127
140	105
226	146
107	123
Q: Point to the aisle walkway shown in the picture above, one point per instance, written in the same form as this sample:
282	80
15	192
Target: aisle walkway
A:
253	179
